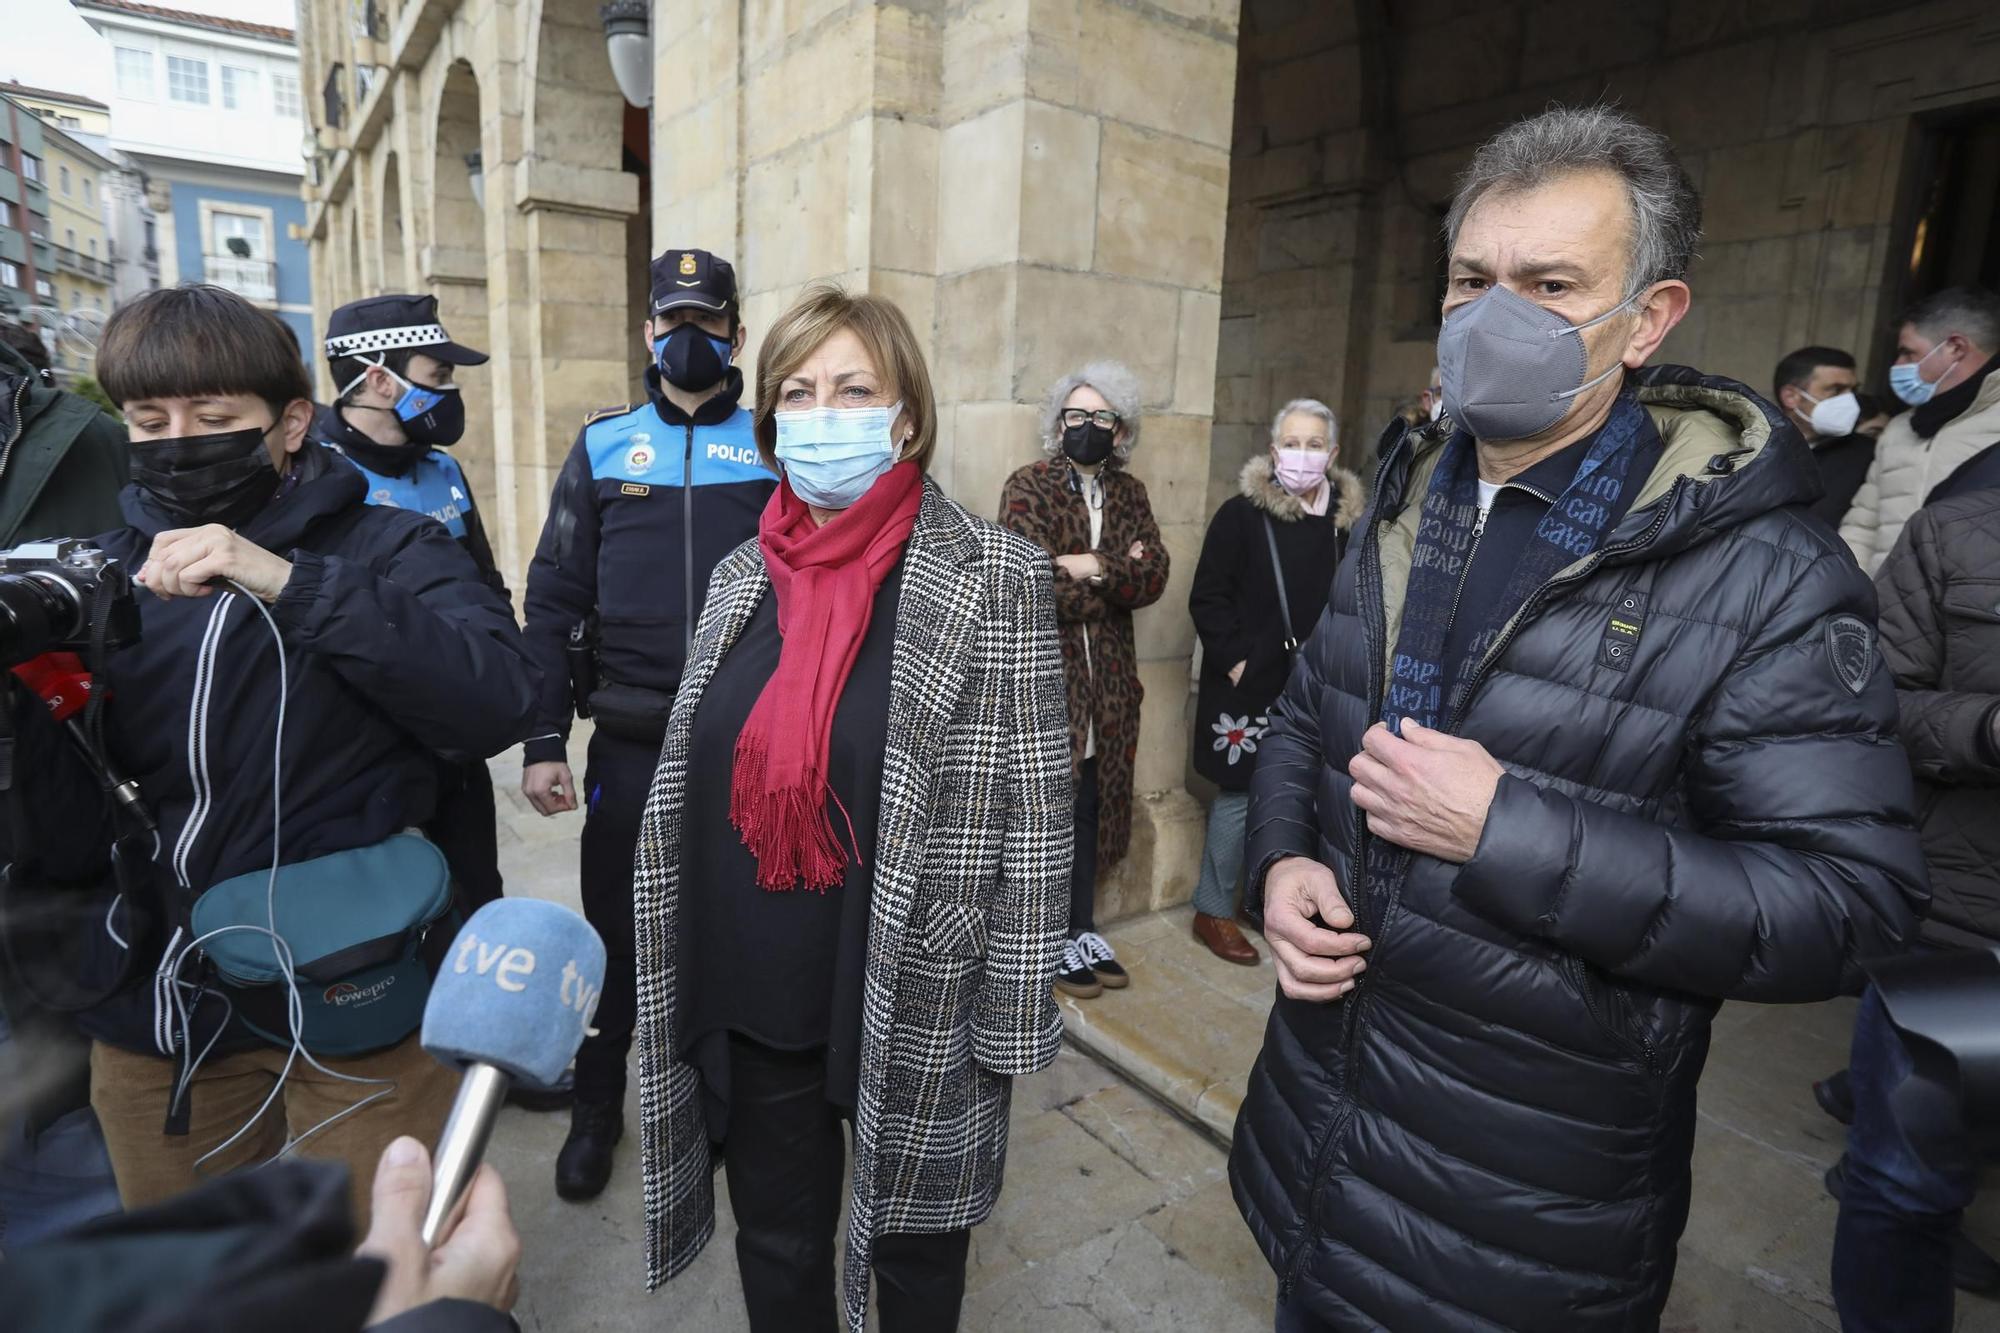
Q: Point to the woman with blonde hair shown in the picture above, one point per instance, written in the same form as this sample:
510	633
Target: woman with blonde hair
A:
850	875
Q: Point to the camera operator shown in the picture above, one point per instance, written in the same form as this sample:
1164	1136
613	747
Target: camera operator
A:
393	649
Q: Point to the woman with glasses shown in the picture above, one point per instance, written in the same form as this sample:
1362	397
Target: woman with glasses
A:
1259	588
1092	516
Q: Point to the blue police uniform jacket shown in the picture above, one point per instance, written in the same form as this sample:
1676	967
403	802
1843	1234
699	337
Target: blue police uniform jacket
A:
648	502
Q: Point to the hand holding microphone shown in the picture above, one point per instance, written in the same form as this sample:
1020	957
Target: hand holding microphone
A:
512	1002
477	1260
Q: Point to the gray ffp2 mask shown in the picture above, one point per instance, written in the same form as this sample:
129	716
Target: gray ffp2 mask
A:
1510	368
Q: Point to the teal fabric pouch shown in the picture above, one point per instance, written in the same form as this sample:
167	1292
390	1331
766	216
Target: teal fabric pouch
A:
355	922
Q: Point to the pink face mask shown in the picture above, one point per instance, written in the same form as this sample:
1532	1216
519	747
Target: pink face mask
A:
1301	471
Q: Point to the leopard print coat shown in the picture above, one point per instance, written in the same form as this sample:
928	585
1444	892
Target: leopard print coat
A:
1044	503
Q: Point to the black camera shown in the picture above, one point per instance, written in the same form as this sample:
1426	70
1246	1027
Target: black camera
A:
57	595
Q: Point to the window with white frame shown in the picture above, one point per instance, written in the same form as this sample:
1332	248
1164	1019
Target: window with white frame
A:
10	274
45	289
6	213
63	172
187	80
69	238
245	227
239	89
135	73
31	167
93	247
285	95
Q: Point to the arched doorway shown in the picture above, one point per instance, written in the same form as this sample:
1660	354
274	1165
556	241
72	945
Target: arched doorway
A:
457	268
395	244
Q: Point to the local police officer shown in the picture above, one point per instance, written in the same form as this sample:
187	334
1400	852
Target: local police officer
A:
395	406
613	594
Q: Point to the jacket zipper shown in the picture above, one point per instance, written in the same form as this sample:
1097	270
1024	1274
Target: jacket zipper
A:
687	549
1375	629
1366	580
20	425
1619	1026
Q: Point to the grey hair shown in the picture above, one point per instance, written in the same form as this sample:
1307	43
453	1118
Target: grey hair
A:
1971	312
1120	387
1666	210
1312	407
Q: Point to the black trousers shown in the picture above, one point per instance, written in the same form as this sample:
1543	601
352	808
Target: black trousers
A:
785	1159
463	827
1083	866
615	783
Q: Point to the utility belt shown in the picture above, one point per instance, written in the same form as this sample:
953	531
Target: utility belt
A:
627	712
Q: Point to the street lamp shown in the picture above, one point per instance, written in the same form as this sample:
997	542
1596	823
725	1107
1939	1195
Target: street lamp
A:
475	176
628	40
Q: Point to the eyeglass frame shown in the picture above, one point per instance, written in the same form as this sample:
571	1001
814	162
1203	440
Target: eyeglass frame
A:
1091	417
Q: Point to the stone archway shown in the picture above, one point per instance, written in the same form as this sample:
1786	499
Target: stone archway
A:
455	268
395	267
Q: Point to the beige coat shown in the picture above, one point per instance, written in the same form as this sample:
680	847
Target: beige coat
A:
1905	469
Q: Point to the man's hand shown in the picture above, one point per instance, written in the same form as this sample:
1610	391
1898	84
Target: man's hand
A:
477	1260
1314	962
1081	567
183	560
1424	790
1236	672
549	787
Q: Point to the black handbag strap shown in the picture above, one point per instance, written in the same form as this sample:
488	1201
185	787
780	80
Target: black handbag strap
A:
1278	576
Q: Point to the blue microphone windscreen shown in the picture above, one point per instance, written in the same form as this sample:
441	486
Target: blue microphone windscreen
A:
517	990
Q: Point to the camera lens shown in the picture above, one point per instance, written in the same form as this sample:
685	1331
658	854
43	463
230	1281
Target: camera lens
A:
35	614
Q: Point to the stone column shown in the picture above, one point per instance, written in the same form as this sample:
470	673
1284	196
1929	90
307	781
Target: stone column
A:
1038	183
1082	190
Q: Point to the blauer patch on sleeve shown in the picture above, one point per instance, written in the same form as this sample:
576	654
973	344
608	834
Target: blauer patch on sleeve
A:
1850	648
1620	642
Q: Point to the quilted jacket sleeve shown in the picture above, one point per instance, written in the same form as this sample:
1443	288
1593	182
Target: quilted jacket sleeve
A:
1284	813
1949	733
1798	859
1016	1028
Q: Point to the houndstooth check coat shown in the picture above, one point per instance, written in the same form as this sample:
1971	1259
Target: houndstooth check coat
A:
970	898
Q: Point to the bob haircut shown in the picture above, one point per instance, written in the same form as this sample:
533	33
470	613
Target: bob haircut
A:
195	341
820	312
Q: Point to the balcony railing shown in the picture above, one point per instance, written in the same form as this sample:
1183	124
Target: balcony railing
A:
70	261
251	279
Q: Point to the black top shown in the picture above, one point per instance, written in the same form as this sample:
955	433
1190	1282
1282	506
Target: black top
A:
1843	466
1511	522
782	968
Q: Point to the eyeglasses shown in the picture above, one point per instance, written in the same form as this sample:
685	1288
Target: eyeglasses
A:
1073	417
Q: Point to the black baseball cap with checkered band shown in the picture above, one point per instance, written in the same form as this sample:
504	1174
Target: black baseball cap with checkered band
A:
378	324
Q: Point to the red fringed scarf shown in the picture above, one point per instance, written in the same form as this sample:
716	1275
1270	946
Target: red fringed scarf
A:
825	580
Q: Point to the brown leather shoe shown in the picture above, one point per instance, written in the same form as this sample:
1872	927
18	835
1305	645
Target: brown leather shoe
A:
1224	940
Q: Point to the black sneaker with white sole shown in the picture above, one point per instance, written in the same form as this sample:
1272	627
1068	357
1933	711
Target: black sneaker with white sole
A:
1098	957
1075	976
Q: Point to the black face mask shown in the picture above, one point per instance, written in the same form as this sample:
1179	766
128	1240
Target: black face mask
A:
1088	444
688	358
198	479
443	425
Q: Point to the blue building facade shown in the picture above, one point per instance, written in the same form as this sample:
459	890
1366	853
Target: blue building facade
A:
261	215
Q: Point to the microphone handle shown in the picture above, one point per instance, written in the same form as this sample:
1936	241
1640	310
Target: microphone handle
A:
481	1091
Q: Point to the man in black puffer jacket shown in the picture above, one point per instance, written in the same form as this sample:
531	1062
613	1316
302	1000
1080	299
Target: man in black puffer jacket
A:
1638	758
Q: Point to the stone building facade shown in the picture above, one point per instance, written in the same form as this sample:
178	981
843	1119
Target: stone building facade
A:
1239	198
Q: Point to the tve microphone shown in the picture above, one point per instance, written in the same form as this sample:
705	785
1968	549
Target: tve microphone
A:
60	681
511	1004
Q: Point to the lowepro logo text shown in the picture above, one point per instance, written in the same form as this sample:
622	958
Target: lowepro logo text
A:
347	995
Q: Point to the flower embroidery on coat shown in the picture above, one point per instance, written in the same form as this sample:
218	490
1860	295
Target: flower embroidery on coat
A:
1238	735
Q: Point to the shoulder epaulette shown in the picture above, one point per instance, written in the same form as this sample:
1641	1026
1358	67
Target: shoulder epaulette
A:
603	412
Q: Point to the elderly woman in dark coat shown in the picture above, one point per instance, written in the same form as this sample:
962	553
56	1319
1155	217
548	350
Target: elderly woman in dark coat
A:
1293	510
849	890
1087	511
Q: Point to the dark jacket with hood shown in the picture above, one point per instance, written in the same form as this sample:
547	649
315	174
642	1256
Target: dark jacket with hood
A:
1493	1129
647	504
394	650
62	458
1235	607
1940	593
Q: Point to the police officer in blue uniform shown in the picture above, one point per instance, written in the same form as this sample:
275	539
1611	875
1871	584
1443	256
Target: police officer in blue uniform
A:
651	498
395	407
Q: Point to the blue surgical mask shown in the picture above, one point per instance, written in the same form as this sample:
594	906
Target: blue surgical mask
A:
1908	384
832	455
